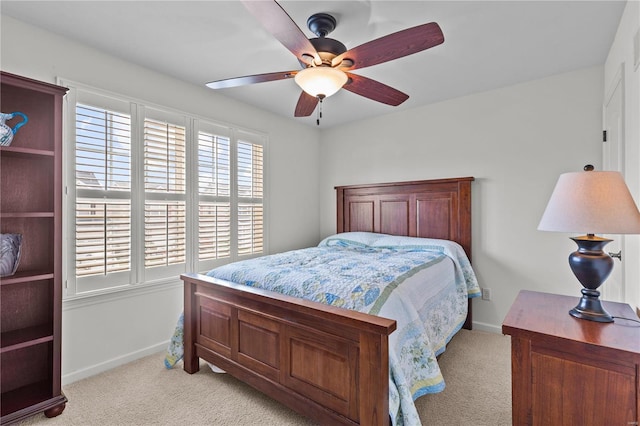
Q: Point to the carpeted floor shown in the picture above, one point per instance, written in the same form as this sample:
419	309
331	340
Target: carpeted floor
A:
476	367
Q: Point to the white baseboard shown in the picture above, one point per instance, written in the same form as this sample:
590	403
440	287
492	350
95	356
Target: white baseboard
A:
162	346
490	328
112	363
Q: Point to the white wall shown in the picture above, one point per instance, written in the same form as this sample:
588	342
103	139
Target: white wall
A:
622	55
100	333
515	141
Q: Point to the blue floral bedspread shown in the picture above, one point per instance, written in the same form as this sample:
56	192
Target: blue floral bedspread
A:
423	284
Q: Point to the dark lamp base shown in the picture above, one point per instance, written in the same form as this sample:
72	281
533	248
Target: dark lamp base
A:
591	265
590	308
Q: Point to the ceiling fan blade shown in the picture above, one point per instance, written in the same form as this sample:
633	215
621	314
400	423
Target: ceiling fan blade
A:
278	22
374	90
251	79
306	105
392	46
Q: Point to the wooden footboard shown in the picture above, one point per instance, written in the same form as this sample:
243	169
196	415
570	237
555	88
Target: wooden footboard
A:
327	363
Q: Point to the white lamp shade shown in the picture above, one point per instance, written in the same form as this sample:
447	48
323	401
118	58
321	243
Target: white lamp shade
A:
591	202
321	81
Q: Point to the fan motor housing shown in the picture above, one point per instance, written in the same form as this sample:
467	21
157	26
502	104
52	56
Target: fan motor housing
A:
322	24
328	45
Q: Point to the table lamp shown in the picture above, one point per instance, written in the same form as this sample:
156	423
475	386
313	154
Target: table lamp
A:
591	202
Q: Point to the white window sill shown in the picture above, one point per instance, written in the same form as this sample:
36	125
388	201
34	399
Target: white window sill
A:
122	292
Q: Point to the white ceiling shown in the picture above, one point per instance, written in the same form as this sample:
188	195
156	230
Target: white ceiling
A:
488	44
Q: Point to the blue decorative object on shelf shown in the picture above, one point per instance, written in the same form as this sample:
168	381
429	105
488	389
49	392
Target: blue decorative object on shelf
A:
6	132
10	245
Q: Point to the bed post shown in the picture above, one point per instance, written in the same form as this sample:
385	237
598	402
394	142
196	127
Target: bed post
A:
374	354
191	361
340	212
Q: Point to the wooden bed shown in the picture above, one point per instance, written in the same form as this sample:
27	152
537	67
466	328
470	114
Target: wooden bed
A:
327	363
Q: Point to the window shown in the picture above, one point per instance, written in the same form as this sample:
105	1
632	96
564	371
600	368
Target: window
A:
102	194
140	213
231	223
250	211
103	179
165	194
214	196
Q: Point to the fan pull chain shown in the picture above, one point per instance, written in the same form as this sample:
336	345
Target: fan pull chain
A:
319	116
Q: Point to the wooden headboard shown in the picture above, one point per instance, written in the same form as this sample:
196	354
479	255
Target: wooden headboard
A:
439	208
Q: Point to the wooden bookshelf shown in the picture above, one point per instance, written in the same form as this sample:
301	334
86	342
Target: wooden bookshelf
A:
31	205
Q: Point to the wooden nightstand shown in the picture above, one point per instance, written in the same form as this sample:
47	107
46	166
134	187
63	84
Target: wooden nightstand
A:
568	371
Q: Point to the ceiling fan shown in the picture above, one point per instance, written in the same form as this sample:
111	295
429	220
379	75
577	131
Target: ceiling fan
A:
326	62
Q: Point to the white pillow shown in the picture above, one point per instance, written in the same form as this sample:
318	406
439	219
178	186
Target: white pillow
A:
360	238
400	241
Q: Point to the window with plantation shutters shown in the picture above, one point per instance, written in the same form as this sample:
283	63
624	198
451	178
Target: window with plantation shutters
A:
230	195
214	196
165	194
152	193
250	209
103	191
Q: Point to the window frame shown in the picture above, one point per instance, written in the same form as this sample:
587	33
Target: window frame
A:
139	276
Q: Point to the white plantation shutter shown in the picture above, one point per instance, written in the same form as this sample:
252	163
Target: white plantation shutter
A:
165	194
103	184
103	149
250	198
250	170
250	229
164	157
103	236
214	231
164	233
214	165
214	196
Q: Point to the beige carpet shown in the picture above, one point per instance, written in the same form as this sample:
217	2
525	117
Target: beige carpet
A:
476	367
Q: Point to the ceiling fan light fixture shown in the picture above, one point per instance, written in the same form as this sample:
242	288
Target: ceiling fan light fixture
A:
321	81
